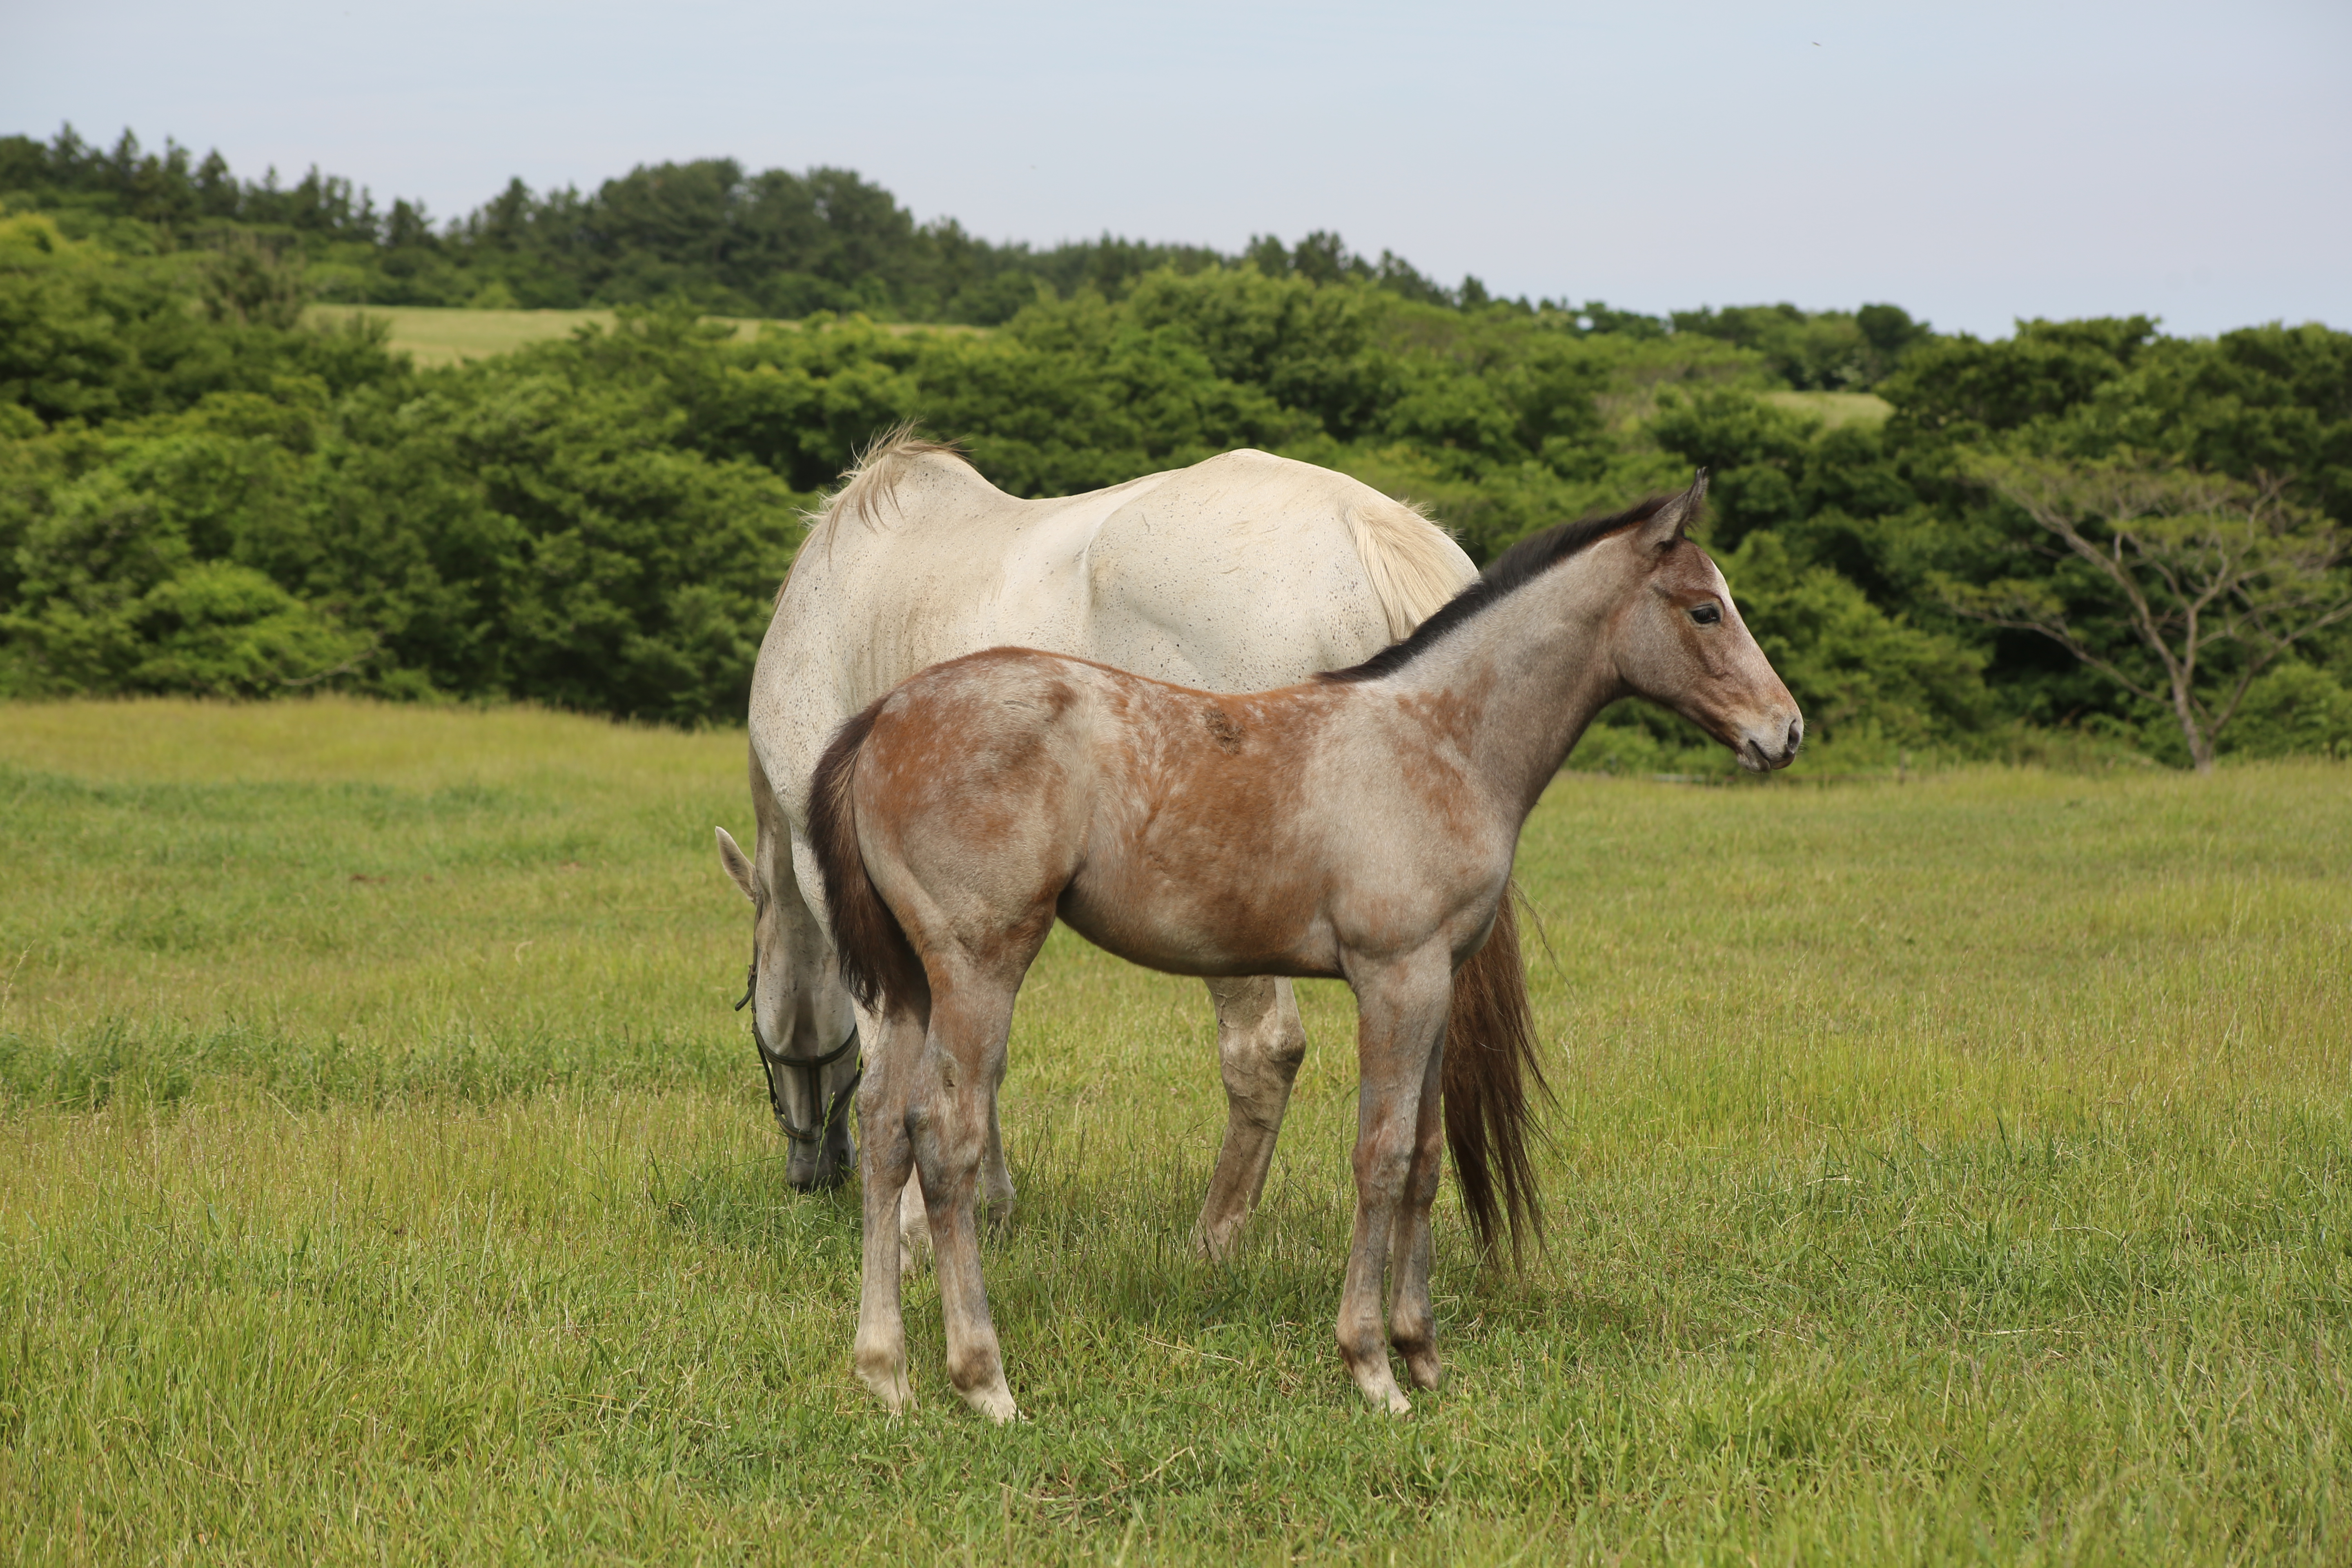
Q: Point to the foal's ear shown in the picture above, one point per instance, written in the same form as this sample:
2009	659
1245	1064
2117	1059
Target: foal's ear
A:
737	863
1668	524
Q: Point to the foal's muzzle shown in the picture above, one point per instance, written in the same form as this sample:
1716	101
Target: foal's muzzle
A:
1763	753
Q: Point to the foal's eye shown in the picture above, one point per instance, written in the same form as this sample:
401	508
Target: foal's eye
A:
1706	614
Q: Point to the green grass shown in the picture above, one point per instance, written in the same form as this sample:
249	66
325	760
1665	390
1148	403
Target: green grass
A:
439	335
1835	408
1950	1171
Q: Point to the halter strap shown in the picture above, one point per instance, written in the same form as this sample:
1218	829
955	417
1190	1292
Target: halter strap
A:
812	1071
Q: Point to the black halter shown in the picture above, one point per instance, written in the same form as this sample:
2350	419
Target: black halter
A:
812	1070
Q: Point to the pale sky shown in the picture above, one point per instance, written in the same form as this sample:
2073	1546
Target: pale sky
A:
1972	162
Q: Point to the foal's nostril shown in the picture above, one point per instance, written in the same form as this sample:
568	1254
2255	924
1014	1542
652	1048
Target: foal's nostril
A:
1796	735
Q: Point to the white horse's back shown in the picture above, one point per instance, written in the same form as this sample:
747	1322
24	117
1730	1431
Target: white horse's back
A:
1239	574
1250	570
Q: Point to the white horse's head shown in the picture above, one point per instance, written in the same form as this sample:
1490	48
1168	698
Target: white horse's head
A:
801	1021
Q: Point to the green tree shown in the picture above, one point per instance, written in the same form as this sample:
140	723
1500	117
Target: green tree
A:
607	566
122	582
2294	709
250	283
1826	351
2212	578
1855	670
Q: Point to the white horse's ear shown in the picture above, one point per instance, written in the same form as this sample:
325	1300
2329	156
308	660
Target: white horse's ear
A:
1670	522
737	863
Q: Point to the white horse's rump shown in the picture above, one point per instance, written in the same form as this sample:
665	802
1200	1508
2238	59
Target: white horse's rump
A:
1240	574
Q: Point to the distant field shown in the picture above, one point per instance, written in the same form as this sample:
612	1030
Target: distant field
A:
438	335
1836	408
1953	1171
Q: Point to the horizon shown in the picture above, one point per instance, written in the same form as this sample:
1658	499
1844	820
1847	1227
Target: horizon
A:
1906	157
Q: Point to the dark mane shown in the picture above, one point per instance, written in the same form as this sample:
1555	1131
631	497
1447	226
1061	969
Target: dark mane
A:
1522	563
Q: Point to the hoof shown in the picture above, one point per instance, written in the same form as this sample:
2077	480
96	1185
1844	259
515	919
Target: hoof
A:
1373	1377
994	1401
1218	1243
1422	1367
887	1383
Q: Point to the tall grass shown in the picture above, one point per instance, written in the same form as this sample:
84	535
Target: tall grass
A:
1950	1170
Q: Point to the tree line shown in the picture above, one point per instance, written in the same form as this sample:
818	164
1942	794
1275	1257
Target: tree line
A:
709	235
200	494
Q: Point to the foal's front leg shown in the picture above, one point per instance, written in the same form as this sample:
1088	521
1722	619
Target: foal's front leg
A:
1412	1321
1400	1007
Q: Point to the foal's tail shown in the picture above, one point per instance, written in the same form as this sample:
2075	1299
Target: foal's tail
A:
879	966
1491	1061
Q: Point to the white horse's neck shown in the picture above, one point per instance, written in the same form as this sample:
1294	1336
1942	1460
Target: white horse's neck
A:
1528	673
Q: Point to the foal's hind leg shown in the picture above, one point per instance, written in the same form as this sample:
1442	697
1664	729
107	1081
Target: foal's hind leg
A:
884	1156
995	1180
964	1058
995	1185
1260	1043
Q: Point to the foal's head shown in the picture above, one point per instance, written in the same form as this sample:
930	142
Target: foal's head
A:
1679	641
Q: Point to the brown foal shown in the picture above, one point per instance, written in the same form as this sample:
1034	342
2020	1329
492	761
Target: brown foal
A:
1360	825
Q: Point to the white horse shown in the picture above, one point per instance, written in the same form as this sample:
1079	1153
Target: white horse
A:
1239	574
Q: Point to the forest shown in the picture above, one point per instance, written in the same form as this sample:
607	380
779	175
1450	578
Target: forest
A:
2089	537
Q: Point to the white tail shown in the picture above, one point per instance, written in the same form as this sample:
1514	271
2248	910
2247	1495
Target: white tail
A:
1411	563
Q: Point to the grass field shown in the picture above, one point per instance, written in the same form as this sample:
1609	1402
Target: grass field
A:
1835	408
436	335
1950	1171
